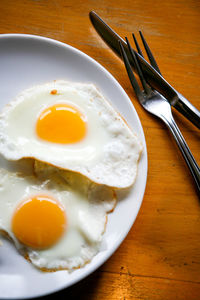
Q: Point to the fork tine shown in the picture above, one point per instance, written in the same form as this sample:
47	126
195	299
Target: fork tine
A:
139	71
131	76
149	54
137	45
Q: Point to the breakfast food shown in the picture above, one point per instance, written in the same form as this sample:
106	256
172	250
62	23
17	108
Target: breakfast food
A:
77	149
55	222
71	126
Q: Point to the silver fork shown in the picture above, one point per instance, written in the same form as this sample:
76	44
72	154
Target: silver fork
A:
158	105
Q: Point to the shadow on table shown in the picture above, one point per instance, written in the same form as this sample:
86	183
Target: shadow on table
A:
84	290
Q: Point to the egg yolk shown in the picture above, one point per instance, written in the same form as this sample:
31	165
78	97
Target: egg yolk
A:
61	123
39	222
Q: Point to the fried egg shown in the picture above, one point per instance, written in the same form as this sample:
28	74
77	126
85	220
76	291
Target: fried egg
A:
73	127
55	223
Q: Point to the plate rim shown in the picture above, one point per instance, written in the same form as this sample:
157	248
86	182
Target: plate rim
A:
121	239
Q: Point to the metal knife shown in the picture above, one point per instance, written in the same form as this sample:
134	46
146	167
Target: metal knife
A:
152	76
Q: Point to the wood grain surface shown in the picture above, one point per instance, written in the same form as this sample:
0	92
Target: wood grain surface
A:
160	258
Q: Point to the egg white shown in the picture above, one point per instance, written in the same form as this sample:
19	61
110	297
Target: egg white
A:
86	205
108	154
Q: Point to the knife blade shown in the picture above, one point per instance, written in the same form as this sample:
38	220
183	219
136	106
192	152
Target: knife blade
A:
152	76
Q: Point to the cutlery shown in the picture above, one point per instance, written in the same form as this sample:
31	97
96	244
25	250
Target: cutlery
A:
156	104
152	76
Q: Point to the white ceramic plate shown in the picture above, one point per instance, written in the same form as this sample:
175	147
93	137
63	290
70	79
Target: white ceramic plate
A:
27	60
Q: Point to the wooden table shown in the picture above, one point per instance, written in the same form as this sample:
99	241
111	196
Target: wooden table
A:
160	258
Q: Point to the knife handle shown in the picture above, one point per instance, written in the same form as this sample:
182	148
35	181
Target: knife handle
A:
178	101
187	109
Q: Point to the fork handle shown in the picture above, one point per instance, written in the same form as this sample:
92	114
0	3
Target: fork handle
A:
189	158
